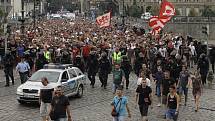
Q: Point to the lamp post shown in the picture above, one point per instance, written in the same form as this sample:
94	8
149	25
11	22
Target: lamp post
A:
34	16
22	21
123	13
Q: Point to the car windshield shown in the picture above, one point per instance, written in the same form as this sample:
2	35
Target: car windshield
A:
50	75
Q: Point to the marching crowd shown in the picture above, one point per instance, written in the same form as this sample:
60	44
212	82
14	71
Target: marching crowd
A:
162	61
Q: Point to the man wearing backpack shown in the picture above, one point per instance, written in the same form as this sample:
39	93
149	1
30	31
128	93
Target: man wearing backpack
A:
118	77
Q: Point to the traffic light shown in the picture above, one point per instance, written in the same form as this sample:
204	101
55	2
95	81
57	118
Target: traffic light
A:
205	30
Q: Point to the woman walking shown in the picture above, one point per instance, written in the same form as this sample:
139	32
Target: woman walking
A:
197	89
172	104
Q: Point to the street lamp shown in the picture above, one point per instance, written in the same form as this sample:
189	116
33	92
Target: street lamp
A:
123	13
22	20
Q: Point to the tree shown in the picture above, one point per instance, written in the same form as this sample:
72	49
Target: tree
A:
135	11
2	16
192	12
178	13
155	10
208	12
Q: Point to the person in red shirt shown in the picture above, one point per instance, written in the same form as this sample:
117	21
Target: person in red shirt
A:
86	51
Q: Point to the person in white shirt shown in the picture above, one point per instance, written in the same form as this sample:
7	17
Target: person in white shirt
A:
45	98
162	51
193	54
143	77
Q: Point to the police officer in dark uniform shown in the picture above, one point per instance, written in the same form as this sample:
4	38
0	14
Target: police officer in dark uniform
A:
92	67
8	68
126	67
104	69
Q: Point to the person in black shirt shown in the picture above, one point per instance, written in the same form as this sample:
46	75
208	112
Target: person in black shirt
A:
60	106
104	69
126	67
172	104
144	99
8	68
46	93
165	84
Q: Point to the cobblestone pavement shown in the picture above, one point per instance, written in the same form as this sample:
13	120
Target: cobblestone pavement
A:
95	105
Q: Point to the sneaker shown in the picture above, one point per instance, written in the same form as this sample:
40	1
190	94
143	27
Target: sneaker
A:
6	85
126	87
159	105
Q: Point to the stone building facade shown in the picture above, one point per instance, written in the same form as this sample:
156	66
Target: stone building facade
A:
183	6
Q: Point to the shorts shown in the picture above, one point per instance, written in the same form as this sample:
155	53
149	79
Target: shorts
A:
144	109
170	114
183	90
44	109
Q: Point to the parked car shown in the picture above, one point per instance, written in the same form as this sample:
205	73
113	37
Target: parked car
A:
70	78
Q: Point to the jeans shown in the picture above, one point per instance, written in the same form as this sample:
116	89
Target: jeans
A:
115	86
119	118
185	90
61	119
103	77
170	114
9	75
23	77
92	79
158	90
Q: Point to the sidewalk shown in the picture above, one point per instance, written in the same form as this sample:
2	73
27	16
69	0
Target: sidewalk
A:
3	79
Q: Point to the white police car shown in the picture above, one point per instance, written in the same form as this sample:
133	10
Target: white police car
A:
70	78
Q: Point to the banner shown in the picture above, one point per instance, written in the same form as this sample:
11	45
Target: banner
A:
104	20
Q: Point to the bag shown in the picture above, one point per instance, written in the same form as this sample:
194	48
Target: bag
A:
114	113
52	115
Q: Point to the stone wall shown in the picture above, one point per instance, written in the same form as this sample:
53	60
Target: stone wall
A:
193	29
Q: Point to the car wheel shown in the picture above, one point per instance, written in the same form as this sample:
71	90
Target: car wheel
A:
21	102
80	91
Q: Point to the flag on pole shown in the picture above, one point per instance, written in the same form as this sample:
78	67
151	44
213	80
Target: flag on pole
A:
167	10
104	20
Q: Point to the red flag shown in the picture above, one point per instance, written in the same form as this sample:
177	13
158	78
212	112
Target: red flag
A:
167	11
156	24
104	20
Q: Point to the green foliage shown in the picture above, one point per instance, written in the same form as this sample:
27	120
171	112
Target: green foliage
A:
56	5
155	10
148	8
208	12
135	11
193	12
177	12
